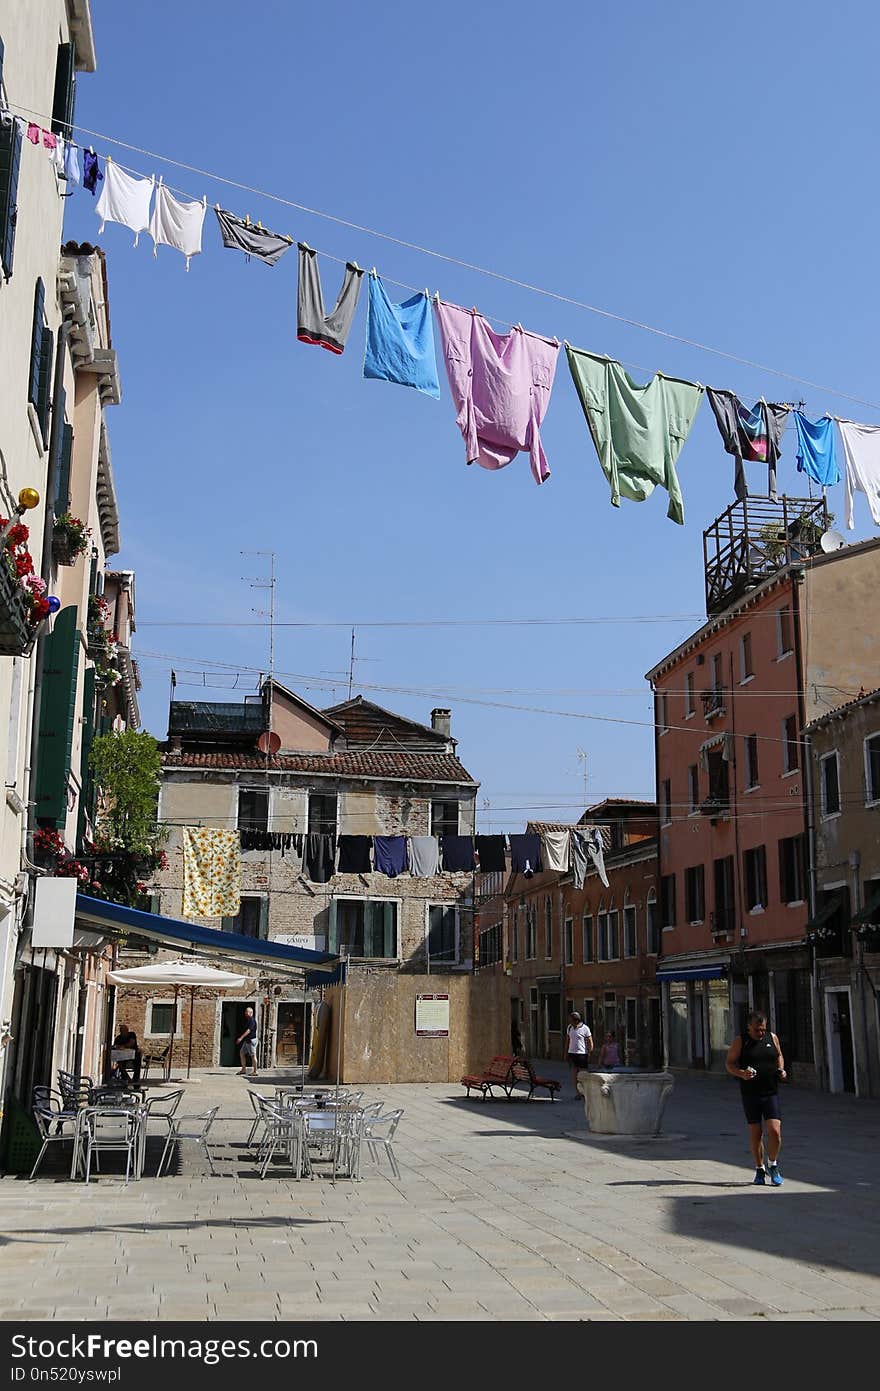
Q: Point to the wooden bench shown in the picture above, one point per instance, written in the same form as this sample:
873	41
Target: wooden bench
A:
496	1074
522	1071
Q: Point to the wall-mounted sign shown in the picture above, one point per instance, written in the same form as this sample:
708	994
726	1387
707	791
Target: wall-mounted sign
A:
432	1016
306	941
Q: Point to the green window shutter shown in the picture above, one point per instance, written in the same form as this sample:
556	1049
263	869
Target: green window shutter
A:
332	929
65	454
85	772
37	344
227	924
57	718
44	386
65	91
55	457
155	900
10	163
264	916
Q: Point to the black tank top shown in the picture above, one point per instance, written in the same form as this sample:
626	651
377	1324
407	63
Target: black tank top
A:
763	1055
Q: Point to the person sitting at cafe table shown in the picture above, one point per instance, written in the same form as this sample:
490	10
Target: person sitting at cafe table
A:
127	1039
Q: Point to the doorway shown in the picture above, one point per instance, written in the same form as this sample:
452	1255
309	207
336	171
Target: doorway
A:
655	1046
293	1033
698	1051
838	1033
232	1025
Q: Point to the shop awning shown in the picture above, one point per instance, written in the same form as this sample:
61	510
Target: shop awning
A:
828	910
872	906
691	973
115	920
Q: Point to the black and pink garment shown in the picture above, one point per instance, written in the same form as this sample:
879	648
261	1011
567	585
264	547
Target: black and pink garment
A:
754	435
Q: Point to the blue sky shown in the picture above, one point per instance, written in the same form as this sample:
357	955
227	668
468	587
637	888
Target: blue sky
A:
698	170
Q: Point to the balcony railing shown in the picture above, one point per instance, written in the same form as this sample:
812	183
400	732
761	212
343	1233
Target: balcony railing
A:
17	633
713	702
715	805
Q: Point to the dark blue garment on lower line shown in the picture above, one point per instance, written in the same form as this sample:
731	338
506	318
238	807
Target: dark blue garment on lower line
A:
389	855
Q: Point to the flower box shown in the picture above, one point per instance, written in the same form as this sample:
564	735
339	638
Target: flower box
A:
62	551
17	633
70	539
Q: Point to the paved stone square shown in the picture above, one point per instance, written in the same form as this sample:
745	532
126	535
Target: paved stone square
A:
503	1210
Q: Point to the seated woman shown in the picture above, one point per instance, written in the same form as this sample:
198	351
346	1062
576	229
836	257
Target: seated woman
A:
609	1056
127	1039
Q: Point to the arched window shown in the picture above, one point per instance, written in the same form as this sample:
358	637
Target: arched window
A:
653	924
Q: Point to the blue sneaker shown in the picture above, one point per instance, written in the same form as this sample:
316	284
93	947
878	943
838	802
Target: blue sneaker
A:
760	1177
775	1175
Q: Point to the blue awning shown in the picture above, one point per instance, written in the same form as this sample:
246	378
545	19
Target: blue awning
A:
265	955
691	973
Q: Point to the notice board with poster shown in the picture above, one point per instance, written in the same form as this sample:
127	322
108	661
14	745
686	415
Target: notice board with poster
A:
432	1016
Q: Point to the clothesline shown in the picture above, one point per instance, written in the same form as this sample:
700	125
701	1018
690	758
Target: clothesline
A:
467	265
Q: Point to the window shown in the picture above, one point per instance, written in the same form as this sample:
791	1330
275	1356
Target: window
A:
872	768
689	694
601	933
632	1025
531	933
611	938
665	801
10	163
662	713
789	745
587	938
42	349
587	1014
568	942
667	900
746	669
363	927
253	808
751	760
693	788
830	784
514	934
653	925
159	1017
755	873
252	918
717	672
444	818
490	945
322	813
629	930
65	455
791	869
548	928
442	932
65	91
783	630
719	778
695	894
723	915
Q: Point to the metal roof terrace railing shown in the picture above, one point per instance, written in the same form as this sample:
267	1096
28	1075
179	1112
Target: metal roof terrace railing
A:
210	719
754	539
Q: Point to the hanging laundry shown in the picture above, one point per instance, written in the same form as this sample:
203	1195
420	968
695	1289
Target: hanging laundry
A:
596	851
638	431
754	435
318	857
525	855
501	386
400	340
580	861
254	838
424	856
312	324
177	222
252	239
211	872
556	850
92	175
389	853
33	133
71	163
50	140
817	449
491	852
458	854
354	854
124	199
861	448
58	156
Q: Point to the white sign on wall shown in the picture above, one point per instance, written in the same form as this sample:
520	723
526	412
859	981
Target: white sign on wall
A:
432	1016
306	941
54	910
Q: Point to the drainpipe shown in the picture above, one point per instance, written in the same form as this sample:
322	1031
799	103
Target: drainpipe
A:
797	579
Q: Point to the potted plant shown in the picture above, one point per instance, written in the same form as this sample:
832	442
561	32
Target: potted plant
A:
70	539
23	600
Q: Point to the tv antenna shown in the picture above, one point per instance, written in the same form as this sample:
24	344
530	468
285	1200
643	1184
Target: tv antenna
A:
260	582
582	758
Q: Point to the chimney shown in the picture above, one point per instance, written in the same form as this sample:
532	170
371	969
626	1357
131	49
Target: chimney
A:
441	722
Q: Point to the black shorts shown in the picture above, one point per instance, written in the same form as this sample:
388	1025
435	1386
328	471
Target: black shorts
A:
579	1060
761	1108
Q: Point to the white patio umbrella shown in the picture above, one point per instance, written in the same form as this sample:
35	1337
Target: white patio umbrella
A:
189	974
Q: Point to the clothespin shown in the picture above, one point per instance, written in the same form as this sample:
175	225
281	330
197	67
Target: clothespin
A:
427	295
374	273
247	219
473	309
259	224
436	296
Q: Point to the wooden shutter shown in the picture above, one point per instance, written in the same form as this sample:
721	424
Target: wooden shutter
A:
263	928
37	343
44	388
65	91
227	924
332	929
10	163
57	718
85	772
65	453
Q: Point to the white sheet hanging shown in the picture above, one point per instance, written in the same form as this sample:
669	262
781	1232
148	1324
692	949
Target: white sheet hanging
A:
125	199
176	223
555	847
861	447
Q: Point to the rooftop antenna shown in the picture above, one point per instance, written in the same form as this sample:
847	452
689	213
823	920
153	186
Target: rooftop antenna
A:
260	582
487	808
582	758
351	666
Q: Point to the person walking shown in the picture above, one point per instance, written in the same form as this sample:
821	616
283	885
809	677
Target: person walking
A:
247	1043
609	1054
755	1057
580	1046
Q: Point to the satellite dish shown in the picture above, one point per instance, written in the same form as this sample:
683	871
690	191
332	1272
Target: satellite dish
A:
270	742
832	541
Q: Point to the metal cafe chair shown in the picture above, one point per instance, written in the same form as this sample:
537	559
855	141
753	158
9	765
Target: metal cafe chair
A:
379	1134
160	1107
52	1124
195	1128
257	1100
111	1131
284	1130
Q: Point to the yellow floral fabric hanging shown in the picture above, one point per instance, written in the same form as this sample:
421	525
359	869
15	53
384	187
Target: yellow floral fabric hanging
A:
211	872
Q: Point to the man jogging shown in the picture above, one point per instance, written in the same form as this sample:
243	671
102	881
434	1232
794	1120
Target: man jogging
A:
247	1043
755	1057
